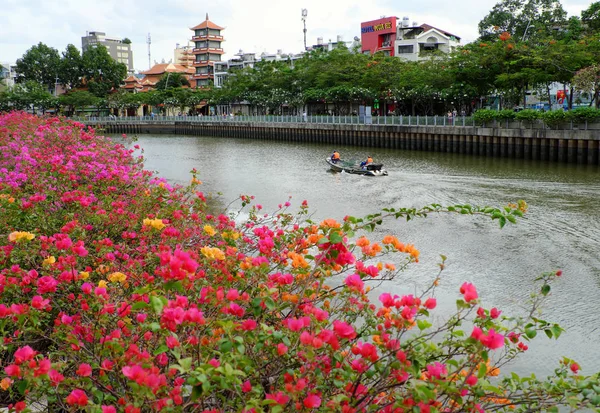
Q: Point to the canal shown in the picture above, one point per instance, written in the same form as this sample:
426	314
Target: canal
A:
561	229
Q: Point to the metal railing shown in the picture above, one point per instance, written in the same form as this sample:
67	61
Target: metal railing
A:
424	121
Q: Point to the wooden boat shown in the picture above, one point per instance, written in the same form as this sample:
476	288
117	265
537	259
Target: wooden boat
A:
353	168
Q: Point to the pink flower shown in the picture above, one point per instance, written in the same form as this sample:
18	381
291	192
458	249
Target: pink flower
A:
471	380
469	292
354	282
172	342
312	401
24	354
279	397
492	340
281	349
437	370
84	370
46	284
108	409
246	386
343	330
495	313
12	370
77	397
214	362
477	333
86	288
39	302
386	299
55	377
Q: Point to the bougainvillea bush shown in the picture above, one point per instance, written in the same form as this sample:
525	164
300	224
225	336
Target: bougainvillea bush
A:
120	293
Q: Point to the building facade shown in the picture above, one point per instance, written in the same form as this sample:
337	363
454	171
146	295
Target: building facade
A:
182	55
8	73
395	37
207	51
118	50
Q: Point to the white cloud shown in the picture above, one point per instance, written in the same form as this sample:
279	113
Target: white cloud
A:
256	26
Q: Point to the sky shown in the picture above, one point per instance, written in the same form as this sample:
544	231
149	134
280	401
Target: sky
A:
252	26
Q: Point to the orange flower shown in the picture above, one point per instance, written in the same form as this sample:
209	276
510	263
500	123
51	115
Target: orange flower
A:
362	242
390	266
504	36
330	223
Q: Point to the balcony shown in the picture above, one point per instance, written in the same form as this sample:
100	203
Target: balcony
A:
207	50
200	76
207	36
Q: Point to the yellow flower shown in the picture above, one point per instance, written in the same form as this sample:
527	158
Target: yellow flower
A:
209	230
18	236
117	277
102	284
84	275
213	253
196	181
50	260
154	223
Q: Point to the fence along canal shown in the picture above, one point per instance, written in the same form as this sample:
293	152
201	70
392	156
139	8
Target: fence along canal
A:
578	144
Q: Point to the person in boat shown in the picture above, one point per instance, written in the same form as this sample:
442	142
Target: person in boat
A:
368	161
335	157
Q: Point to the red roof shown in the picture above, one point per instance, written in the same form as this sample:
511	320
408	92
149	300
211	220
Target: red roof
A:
161	68
207	24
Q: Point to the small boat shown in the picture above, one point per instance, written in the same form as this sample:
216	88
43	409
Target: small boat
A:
371	169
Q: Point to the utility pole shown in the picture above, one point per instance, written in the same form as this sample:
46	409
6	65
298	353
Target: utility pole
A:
149	40
304	14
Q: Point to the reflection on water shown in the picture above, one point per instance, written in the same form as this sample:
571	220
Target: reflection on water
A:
561	230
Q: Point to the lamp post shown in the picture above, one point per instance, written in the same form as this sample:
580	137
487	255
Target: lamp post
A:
304	15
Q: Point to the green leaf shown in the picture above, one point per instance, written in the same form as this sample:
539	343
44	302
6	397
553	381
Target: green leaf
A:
22	386
196	392
226	346
186	363
157	304
161	349
174	286
423	324
530	333
511	218
335	238
548	332
140	305
270	303
545	289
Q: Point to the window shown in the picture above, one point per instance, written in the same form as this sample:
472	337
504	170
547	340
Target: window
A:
406	49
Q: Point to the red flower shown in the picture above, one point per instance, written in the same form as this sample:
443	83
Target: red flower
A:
430	303
312	401
246	386
574	367
495	313
12	370
77	397
24	354
343	330
469	292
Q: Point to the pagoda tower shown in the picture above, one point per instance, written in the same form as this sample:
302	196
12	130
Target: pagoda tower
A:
207	50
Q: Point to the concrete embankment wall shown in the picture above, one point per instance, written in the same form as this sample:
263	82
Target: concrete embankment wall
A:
572	146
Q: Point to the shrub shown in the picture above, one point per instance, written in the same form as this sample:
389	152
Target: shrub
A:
121	293
582	115
528	115
485	116
554	117
506	114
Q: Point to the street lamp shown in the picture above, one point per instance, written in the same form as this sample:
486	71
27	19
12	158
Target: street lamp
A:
304	15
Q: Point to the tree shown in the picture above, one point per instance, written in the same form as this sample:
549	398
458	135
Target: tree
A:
77	100
40	64
172	80
591	17
71	67
126	41
588	80
523	19
101	72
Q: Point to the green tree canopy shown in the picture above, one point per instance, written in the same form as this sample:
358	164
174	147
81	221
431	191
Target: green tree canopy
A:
40	64
101	72
523	19
172	80
71	67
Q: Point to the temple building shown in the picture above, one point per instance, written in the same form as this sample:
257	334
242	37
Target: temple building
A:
207	50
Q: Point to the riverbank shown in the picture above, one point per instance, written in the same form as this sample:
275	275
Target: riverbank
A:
568	146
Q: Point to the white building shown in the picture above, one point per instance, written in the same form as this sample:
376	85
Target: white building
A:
117	49
413	40
8	73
